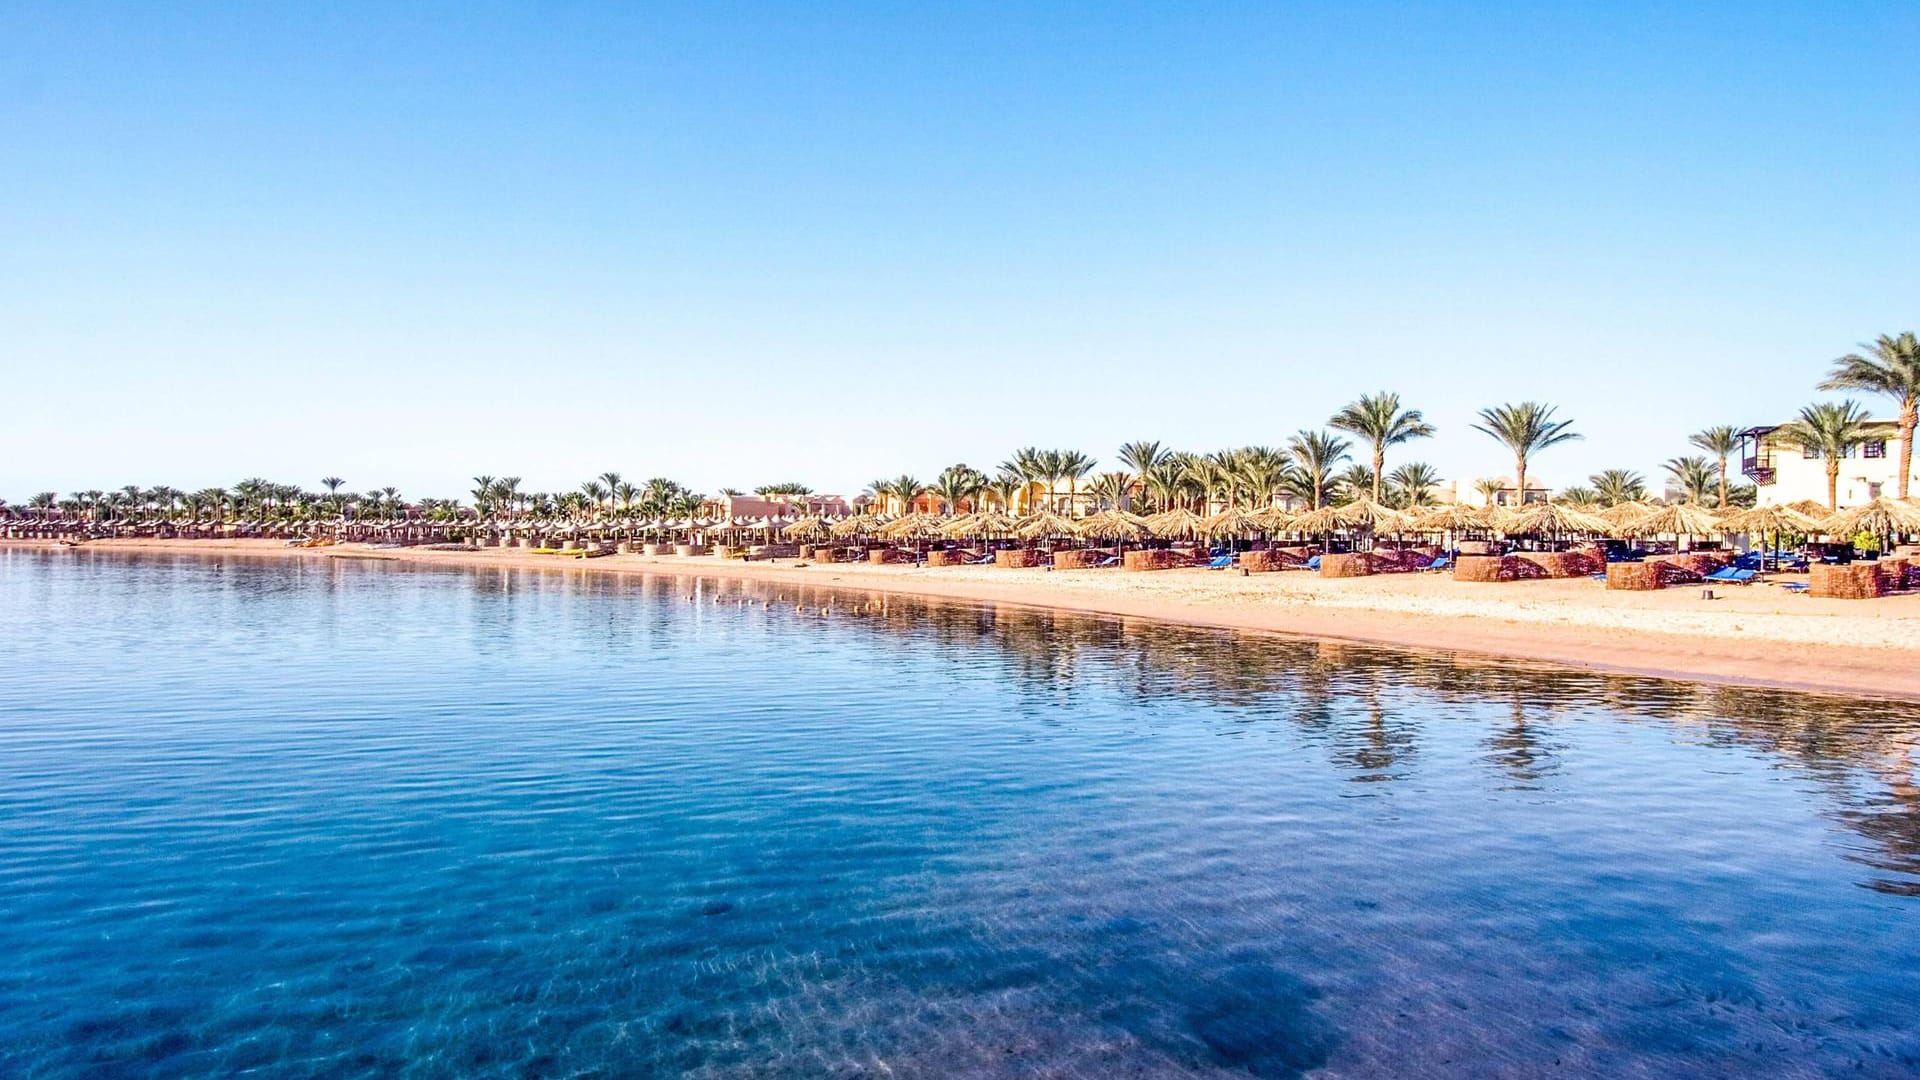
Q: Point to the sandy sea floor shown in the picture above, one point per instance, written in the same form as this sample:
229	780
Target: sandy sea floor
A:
1755	635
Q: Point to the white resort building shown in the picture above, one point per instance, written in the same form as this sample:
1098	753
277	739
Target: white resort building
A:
1783	472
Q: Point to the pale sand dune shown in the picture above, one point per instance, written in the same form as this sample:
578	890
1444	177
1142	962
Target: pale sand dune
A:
1756	635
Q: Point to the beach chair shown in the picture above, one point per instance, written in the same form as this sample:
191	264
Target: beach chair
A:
1111	560
1794	586
1442	562
1731	575
1220	562
984	560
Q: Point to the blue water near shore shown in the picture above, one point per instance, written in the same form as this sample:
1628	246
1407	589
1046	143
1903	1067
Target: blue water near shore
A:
350	818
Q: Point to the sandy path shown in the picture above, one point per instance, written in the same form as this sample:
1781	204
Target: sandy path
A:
1757	635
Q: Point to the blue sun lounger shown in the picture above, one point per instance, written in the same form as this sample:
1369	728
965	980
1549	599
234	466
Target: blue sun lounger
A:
1311	564
1729	575
1442	562
1220	563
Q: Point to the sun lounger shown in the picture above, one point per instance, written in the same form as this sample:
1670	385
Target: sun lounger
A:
1220	562
1111	560
1443	562
984	560
1311	564
1729	575
1794	586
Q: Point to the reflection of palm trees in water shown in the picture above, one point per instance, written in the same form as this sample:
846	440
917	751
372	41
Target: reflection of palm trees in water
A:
1860	753
1519	749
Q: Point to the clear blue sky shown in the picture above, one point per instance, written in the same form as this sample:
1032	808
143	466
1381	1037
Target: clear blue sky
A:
733	244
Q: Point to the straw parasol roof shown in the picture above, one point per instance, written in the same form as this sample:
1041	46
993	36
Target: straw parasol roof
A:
911	525
1364	513
1324	520
1454	517
1043	523
1770	520
1174	522
1552	518
1273	519
857	525
1680	519
1881	517
1621	515
984	523
1813	508
1114	525
807	528
1232	521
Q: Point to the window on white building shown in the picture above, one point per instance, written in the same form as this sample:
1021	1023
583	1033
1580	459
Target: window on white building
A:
1874	448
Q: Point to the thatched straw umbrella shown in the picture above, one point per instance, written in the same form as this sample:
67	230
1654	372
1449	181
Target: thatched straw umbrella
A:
1273	519
1454	517
1813	508
1553	519
911	526
1364	513
857	525
1042	524
1232	523
1882	517
1621	516
807	528
1178	521
1770	521
1318	522
984	523
1115	525
1680	519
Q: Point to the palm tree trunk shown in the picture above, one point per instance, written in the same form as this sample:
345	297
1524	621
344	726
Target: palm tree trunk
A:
1909	417
1833	482
1379	465
1723	481
1520	477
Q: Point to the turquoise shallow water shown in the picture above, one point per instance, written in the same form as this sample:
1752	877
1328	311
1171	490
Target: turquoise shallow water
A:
348	818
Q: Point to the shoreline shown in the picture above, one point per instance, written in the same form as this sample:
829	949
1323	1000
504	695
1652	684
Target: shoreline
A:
1756	636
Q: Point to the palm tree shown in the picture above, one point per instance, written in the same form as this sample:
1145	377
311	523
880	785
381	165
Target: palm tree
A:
1355	482
1110	489
1379	419
1580	496
1489	488
1143	457
1413	483
1073	467
1693	476
1721	441
904	488
1316	454
1616	486
958	482
1830	431
1525	429
1889	366
1261	472
596	493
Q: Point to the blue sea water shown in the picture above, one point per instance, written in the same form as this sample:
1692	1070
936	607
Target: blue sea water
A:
345	818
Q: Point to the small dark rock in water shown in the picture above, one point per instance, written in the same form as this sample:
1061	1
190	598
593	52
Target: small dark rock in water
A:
716	907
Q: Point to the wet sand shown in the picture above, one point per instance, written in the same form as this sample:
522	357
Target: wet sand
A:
1757	635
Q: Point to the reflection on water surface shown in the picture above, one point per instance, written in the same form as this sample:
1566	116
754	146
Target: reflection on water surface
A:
359	818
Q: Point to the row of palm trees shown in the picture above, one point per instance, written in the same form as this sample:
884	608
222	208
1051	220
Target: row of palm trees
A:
1312	469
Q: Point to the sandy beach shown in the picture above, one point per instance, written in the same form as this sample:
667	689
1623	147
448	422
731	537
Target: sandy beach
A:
1755	635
